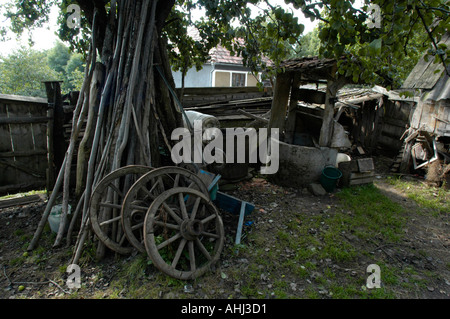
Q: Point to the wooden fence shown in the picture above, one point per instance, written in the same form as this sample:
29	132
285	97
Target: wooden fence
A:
204	96
23	143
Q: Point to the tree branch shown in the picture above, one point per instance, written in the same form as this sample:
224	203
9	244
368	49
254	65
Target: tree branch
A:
430	35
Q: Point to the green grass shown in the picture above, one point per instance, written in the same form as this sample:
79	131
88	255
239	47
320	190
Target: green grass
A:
434	200
343	235
33	192
372	213
364	217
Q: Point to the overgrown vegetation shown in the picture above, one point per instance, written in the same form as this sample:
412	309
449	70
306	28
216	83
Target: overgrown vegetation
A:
23	70
316	250
333	236
434	200
342	236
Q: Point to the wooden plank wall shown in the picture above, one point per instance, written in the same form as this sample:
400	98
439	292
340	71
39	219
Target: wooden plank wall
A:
378	124
210	95
396	116
23	143
433	117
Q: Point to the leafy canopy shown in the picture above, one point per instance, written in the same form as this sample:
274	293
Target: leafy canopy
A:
381	40
375	54
23	71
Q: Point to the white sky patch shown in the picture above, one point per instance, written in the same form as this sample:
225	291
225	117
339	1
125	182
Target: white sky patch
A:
44	38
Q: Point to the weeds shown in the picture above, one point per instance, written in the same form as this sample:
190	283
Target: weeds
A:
434	200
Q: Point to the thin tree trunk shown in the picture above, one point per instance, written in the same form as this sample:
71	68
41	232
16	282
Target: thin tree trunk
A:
76	127
134	107
86	142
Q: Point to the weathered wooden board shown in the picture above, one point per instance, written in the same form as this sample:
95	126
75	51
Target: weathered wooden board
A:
23	143
357	172
20	201
365	165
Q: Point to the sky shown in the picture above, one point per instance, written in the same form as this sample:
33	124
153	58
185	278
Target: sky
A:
45	38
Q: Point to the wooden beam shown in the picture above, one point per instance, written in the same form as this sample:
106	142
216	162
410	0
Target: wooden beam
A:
23	153
21	201
9	98
326	131
255	117
280	101
23	120
292	110
218	90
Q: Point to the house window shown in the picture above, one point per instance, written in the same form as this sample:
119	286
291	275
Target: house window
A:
238	79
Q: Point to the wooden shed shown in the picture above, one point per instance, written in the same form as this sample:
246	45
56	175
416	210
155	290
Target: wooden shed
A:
287	92
302	164
432	112
428	138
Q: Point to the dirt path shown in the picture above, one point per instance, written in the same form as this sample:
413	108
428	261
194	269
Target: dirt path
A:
420	262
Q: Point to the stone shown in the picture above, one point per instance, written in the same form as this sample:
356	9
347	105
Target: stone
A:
317	189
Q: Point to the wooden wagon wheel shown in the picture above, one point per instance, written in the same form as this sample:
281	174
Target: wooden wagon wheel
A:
142	193
106	204
183	239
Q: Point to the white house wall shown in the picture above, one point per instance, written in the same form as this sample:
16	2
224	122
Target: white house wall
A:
202	78
206	77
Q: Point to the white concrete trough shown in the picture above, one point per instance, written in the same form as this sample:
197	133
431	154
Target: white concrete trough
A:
300	166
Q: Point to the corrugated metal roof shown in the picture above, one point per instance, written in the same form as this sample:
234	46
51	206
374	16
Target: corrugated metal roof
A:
441	91
307	63
425	75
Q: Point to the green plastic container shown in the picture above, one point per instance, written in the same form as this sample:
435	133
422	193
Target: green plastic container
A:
54	219
329	178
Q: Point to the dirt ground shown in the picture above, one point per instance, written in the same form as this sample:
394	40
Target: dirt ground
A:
41	274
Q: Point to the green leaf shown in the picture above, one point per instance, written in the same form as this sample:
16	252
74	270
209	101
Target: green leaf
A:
375	47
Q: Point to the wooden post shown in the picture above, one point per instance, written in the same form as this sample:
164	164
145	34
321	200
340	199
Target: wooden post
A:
53	90
326	131
292	110
50	156
280	101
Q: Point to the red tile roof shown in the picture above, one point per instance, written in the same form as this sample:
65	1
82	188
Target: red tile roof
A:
220	54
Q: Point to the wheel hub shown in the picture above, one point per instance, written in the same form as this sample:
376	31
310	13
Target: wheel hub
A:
191	229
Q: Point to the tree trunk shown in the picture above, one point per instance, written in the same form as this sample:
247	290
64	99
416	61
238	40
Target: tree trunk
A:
127	108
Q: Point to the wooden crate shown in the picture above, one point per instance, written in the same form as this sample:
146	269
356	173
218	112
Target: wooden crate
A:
357	172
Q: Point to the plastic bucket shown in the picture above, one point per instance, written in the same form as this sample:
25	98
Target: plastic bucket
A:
54	218
329	178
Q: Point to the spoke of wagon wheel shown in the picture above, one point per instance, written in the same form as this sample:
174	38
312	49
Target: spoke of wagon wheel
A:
110	205
207	219
115	188
168	241
139	208
166	225
211	235
202	249
192	256
109	221
176	180
195	208
148	192
137	226
179	252
122	239
184	213
172	213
